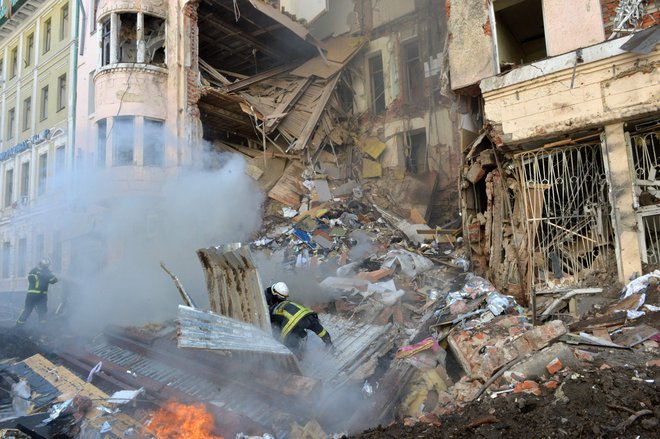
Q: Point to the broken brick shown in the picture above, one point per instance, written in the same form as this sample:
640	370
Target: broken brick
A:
430	418
651	363
554	366
605	366
583	355
527	386
551	385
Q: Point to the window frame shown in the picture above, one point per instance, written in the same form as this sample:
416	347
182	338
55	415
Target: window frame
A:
43	104
27	113
61	92
29	44
376	98
64	22
11	121
47	35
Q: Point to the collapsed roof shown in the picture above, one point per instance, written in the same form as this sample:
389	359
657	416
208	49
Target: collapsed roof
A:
268	81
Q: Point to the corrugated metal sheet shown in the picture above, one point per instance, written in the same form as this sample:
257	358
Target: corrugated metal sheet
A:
203	330
233	284
354	343
229	396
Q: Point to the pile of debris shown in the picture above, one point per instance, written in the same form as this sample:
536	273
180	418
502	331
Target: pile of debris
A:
418	339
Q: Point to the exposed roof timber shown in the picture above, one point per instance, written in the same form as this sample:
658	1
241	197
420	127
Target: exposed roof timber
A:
240	34
254	37
284	20
319	108
287	104
239	85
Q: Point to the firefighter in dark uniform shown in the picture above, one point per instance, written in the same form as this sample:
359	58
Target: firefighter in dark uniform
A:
37	295
291	320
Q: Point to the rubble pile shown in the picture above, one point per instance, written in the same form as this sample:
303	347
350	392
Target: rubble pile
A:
419	340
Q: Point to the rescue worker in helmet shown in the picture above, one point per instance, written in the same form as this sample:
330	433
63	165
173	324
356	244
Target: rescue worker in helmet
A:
39	278
292	320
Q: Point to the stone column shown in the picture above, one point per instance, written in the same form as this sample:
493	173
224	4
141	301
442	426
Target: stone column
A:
624	220
114	38
141	46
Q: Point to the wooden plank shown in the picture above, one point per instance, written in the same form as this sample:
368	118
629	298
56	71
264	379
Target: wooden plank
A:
313	121
281	111
287	190
603	333
239	85
635	335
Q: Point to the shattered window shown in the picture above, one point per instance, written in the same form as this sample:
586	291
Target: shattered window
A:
154	143
520	32
416	157
122	140
127	37
414	73
6	258
377	83
154	40
105	43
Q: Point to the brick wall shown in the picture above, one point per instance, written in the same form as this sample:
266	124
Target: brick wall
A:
609	12
192	72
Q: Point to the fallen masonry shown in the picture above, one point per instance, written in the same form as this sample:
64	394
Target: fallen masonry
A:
420	343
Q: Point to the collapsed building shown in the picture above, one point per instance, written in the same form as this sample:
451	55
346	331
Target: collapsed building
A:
557	190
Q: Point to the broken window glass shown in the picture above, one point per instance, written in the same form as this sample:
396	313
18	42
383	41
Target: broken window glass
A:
154	40
520	32
416	158
127	37
377	82
414	73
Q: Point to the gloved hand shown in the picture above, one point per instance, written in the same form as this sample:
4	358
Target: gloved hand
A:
327	340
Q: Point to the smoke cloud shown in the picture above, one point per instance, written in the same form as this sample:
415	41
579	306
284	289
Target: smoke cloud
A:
120	228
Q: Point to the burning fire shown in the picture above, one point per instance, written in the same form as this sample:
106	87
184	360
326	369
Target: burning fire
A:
179	421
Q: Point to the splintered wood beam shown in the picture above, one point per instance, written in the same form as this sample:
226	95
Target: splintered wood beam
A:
287	104
241	34
319	108
239	85
224	114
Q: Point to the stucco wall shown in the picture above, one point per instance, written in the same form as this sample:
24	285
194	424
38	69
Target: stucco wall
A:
471	56
606	90
131	91
571	24
385	11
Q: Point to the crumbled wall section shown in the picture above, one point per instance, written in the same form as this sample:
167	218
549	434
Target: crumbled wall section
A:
192	74
471	55
609	13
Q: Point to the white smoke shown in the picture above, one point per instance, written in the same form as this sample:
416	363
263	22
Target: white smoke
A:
119	231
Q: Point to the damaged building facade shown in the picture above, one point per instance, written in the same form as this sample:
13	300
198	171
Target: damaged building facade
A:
331	91
558	189
37	54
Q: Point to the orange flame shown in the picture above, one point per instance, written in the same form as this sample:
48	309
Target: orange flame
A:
178	421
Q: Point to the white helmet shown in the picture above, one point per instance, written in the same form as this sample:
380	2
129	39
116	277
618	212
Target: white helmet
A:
45	262
280	290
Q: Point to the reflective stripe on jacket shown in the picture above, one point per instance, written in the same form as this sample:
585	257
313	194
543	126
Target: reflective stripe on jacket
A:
293	313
